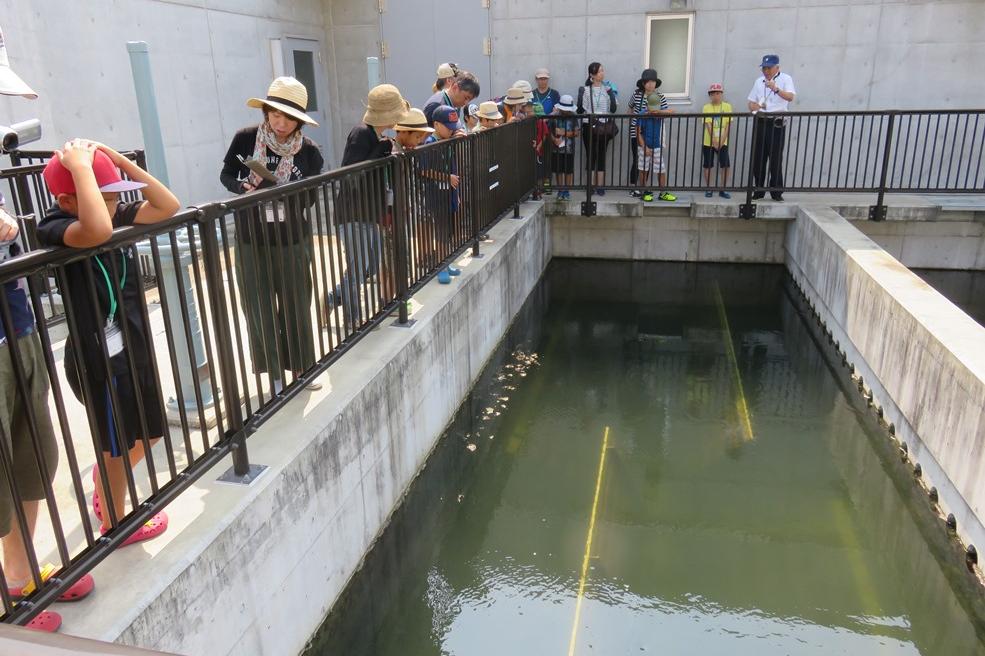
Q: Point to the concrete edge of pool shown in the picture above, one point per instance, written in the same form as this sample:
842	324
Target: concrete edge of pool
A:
919	354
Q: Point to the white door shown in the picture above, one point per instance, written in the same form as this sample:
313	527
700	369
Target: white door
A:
303	61
421	34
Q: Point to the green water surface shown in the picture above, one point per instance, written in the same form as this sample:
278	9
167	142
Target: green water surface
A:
707	540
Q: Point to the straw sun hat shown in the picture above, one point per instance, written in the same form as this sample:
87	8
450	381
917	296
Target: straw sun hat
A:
286	95
385	106
413	121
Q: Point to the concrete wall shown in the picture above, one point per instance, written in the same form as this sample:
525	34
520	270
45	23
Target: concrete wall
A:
353	29
843	54
919	234
257	569
208	57
917	351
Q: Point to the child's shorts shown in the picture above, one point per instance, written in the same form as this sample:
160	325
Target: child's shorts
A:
708	157
16	433
652	163
563	163
116	438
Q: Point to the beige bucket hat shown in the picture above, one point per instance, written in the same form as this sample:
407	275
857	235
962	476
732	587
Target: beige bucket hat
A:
10	82
515	96
385	106
489	110
286	95
528	90
413	121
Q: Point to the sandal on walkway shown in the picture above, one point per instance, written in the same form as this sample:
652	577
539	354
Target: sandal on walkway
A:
79	590
150	530
46	621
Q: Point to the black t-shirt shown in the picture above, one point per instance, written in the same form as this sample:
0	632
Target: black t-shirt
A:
364	144
308	161
90	320
362	196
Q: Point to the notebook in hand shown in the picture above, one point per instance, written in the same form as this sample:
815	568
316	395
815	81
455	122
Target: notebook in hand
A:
257	167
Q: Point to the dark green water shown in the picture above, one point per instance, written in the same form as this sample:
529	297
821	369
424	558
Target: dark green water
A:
706	541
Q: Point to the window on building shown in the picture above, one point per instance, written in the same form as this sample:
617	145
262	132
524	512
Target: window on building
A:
668	50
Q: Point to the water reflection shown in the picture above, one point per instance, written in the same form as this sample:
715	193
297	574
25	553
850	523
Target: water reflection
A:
706	543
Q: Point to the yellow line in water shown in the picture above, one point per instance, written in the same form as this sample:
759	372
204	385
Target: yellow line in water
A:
741	404
863	580
588	545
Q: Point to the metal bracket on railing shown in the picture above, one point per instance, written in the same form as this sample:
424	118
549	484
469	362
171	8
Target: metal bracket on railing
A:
877	212
747	211
589	208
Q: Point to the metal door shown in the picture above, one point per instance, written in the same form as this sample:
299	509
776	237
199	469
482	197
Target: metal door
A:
303	60
420	34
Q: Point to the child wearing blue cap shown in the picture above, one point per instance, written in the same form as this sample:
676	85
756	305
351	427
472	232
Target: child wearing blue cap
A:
440	173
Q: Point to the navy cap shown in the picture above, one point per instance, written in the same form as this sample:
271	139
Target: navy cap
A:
447	115
770	60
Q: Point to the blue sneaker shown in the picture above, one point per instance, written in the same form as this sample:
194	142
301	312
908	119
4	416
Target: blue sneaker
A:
708	194
444	277
600	192
724	194
452	271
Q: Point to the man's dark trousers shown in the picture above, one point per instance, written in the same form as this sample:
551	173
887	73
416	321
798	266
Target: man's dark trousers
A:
768	149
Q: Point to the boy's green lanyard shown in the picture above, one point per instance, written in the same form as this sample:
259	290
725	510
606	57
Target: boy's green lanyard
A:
109	286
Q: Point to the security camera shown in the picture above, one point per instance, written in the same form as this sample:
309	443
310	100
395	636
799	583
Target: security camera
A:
19	134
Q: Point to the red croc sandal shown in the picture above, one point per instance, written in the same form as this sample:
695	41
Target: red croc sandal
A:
97	506
150	530
46	621
79	590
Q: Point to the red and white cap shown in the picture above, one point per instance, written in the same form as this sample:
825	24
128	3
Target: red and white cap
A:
59	179
715	87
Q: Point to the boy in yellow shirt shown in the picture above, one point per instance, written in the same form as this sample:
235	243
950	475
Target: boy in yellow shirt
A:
715	141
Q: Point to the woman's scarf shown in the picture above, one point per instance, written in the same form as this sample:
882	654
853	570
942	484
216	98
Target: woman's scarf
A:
266	139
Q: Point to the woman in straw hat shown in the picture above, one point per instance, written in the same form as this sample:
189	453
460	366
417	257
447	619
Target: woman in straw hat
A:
363	207
274	249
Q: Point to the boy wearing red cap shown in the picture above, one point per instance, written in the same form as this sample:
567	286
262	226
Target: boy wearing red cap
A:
84	178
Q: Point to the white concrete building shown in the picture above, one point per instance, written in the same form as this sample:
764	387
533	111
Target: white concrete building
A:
209	56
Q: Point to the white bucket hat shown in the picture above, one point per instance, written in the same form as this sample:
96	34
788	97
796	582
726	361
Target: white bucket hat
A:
10	82
286	95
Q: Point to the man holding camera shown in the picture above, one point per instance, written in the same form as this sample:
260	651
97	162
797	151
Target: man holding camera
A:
769	99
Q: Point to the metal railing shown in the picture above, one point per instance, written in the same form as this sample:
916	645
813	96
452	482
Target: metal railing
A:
285	280
876	152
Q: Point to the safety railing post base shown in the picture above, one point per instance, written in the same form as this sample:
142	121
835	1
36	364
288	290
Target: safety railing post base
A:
877	212
589	208
254	472
747	211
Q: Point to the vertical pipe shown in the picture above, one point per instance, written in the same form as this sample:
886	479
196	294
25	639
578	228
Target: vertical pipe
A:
150	121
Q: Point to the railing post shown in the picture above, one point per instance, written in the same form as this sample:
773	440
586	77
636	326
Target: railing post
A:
747	210
877	212
401	211
242	471
476	182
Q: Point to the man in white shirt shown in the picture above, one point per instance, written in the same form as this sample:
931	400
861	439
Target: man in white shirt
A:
771	94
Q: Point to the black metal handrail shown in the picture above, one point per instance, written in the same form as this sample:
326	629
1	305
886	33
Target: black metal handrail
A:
367	237
876	152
